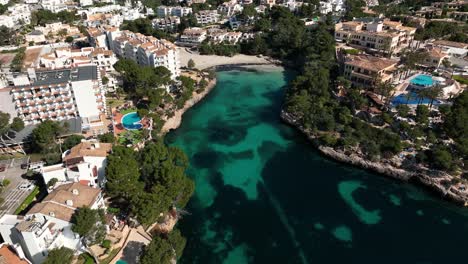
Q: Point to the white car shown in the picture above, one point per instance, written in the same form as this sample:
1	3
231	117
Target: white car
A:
26	186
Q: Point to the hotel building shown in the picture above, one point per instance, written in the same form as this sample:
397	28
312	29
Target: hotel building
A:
145	50
60	95
383	36
364	70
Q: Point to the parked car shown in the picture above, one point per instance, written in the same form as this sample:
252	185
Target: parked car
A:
26	186
2	168
24	166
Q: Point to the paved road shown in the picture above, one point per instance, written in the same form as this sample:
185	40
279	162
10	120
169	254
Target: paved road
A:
13	196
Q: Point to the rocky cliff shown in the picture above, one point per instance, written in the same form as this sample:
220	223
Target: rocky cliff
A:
437	181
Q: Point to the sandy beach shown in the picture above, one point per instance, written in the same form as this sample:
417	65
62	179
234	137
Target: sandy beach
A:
207	61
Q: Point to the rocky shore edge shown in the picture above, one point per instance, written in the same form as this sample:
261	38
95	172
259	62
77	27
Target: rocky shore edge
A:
435	181
175	121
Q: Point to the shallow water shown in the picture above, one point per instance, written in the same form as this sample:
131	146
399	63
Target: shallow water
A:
264	195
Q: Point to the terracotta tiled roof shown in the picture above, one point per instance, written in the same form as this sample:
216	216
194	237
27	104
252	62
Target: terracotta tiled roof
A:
370	62
56	202
451	44
9	256
88	149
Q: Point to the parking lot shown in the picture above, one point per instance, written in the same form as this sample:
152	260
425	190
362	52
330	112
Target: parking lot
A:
12	195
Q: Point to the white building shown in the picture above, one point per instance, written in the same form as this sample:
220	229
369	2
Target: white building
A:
193	36
220	36
86	2
179	11
132	14
168	23
145	50
206	17
4	2
84	163
17	15
7	21
230	8
455	49
47	225
325	7
54	6
60	95
21	13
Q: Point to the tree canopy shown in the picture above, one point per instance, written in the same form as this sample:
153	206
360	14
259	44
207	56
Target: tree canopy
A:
151	180
61	255
89	224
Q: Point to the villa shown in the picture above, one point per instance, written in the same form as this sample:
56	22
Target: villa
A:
363	70
384	36
84	163
47	225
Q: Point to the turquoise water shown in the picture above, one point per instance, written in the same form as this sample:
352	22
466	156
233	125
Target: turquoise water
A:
412	100
131	121
121	261
422	80
264	195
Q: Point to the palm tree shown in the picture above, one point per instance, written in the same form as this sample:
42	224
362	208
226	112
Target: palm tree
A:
448	65
433	93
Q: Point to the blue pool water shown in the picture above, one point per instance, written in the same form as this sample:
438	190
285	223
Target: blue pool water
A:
422	80
131	121
414	99
121	262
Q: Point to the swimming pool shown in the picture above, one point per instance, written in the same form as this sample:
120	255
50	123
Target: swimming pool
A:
412	100
422	80
121	261
131	121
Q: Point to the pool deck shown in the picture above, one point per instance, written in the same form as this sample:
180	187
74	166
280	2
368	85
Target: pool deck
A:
137	235
117	121
118	127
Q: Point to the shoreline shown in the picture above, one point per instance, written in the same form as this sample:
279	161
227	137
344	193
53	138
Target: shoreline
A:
175	121
435	183
203	62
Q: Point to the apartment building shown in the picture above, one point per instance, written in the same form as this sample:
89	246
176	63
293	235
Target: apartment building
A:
220	36
193	36
169	23
364	70
97	38
54	6
454	49
145	50
17	15
206	17
457	15
84	163
48	224
454	5
178	11
383	36
229	8
60	95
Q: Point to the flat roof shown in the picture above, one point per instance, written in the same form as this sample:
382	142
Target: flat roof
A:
60	76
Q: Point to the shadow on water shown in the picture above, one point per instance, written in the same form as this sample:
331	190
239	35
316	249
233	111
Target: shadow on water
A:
308	209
